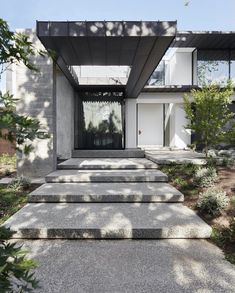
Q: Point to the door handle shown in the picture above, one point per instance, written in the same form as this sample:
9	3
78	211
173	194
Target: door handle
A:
140	132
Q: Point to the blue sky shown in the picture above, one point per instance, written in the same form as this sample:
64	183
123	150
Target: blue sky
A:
198	15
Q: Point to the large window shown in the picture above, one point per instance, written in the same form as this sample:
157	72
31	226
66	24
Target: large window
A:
232	66
99	120
213	66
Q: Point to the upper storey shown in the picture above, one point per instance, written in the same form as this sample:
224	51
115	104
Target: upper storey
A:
195	58
137	44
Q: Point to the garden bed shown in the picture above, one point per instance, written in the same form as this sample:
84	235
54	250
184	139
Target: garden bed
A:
181	176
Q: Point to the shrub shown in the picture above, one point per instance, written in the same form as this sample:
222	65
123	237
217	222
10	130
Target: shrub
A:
213	201
180	182
19	183
15	268
205	177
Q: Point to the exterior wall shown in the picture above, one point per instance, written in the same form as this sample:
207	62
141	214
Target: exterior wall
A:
35	93
65	116
178	136
179	68
130	123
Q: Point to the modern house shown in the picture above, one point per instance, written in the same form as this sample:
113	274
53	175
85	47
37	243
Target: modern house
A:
114	85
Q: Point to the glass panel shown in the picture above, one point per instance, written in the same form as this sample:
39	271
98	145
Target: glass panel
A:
213	66
232	66
100	125
158	76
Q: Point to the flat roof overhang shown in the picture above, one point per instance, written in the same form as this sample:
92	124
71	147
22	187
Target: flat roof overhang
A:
210	40
138	44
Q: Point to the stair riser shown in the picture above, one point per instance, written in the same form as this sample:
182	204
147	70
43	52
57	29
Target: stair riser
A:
112	234
104	198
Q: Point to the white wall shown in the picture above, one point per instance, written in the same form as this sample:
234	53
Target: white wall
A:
179	136
179	68
65	116
130	121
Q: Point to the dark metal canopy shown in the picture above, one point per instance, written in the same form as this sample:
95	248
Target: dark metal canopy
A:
140	45
205	40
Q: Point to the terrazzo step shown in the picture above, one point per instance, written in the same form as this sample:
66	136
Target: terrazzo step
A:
138	175
126	153
107	163
106	192
107	221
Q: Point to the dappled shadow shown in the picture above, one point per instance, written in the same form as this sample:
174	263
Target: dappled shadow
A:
35	93
131	266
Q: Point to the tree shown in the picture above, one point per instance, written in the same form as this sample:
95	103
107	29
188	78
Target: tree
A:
16	48
15	268
209	116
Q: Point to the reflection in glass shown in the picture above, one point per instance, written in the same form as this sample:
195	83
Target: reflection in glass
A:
213	66
232	66
158	76
100	125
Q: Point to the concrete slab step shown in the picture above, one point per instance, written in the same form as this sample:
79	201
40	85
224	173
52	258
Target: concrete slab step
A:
107	163
126	153
106	176
107	221
106	192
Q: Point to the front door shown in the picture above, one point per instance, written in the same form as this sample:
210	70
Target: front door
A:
150	125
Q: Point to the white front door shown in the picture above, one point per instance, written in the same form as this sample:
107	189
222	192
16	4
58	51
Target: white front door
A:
150	125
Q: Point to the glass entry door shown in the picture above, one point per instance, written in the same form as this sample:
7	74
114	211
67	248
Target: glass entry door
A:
99	124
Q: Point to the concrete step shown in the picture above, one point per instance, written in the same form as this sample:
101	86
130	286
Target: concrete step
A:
126	153
110	163
106	192
106	176
107	221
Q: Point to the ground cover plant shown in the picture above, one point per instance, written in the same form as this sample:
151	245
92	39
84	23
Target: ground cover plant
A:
222	222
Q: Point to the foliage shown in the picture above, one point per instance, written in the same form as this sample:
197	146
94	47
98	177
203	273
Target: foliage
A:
205	177
180	182
224	238
180	175
15	267
208	113
16	48
19	184
212	201
20	128
6	159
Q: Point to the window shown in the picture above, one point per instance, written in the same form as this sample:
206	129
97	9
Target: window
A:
158	76
213	66
232	66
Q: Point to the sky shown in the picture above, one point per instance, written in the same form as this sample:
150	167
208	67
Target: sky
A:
198	15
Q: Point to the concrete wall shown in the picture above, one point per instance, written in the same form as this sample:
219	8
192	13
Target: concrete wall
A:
130	122
65	116
35	93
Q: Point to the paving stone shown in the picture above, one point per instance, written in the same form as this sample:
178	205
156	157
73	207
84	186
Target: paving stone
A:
106	192
107	176
107	221
107	163
153	266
